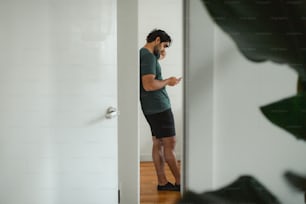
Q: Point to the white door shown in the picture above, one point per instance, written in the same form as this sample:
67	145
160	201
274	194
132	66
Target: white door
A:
58	76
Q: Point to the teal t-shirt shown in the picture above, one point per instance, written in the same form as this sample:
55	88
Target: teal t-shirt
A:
152	101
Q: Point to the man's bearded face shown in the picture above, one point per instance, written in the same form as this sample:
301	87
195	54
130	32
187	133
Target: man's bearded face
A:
160	47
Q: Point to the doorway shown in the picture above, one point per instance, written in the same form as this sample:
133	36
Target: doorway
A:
169	18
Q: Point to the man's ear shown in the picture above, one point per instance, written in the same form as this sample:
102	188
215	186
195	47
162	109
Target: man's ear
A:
157	40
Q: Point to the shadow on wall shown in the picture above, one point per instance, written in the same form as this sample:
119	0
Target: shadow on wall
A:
264	31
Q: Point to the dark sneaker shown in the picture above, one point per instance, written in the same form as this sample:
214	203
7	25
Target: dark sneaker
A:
168	187
177	187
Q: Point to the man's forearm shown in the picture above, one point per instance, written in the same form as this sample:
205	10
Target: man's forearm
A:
156	85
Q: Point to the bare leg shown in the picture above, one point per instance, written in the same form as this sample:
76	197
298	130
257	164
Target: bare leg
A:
169	146
159	162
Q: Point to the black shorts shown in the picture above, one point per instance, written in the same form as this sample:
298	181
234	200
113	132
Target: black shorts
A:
162	124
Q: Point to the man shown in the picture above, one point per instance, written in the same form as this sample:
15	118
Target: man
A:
156	107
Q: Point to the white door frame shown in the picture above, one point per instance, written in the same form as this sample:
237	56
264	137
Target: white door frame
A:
128	101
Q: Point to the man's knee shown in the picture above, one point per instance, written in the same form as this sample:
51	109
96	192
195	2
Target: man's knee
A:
169	141
157	143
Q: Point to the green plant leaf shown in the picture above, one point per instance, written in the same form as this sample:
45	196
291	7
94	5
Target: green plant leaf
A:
289	114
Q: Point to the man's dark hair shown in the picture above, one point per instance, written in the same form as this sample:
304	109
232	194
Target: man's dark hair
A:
164	37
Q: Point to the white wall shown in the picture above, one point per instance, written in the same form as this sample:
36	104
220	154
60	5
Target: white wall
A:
240	140
166	15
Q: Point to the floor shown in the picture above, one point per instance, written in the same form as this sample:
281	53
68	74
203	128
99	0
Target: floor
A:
148	182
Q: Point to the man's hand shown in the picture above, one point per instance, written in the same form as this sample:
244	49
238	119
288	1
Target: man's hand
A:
172	81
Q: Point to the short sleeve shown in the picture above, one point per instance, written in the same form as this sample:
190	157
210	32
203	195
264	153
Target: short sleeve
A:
147	64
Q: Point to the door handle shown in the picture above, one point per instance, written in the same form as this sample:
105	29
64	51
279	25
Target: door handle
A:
111	112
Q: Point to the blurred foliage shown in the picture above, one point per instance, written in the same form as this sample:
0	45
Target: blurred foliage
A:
265	30
289	114
244	190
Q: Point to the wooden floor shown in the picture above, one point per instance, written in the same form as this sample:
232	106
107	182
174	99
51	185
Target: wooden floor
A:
148	183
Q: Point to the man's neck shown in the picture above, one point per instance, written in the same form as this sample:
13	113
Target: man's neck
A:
149	47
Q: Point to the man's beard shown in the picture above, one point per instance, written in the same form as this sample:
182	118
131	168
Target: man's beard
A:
156	52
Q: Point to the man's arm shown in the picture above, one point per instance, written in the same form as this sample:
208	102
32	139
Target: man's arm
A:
151	84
